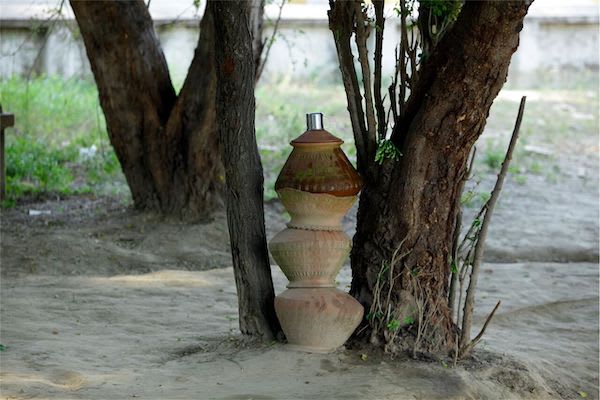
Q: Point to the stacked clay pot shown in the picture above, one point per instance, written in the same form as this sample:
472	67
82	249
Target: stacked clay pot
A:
317	186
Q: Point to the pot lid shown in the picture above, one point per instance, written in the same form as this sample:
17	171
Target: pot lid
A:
315	133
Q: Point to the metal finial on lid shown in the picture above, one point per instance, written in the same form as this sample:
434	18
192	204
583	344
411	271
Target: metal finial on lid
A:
314	121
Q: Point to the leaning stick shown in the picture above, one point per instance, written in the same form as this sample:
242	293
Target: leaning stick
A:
467	321
472	343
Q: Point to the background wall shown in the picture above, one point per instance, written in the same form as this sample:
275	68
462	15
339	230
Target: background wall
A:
34	39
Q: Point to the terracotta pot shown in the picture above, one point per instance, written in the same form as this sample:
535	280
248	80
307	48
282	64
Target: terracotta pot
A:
310	258
317	186
317	164
317	320
315	211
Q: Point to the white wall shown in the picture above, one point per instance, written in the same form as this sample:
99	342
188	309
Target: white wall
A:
555	35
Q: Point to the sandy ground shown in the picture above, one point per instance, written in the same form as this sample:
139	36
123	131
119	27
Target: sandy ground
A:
171	335
101	302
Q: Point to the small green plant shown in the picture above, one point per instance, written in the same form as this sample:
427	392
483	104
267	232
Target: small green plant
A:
386	150
521	179
393	325
453	267
55	147
493	158
535	168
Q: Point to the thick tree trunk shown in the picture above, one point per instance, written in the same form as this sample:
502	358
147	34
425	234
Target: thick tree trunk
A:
243	170
412	203
166	144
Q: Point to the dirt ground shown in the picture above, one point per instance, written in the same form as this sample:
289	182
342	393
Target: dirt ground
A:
101	302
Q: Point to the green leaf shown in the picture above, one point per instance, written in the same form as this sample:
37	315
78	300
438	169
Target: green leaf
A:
453	267
409	320
386	150
393	325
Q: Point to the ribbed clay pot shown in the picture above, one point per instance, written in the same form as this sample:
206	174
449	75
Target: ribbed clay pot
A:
317	164
310	258
315	211
317	320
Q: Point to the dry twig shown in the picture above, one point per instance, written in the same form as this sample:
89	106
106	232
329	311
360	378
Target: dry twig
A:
466	345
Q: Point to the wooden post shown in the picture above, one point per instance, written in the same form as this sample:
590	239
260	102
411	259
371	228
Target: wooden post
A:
6	120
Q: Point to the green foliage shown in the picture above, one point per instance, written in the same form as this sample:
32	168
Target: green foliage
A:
393	325
494	157
473	198
31	167
54	110
453	267
386	150
447	9
59	143
521	179
409	6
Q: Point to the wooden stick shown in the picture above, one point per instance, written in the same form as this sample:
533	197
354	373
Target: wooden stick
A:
341	23
467	320
457	228
268	42
473	342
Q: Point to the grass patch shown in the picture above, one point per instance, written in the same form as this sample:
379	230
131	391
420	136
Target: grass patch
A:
59	145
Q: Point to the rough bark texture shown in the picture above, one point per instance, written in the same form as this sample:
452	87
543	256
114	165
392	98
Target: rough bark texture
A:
243	170
166	144
413	201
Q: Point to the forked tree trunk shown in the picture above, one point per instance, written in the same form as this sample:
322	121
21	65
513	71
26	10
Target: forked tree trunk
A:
167	144
412	202
243	170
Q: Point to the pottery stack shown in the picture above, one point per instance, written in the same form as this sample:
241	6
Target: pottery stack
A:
317	186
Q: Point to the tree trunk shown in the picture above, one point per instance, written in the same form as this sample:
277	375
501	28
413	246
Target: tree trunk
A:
411	203
243	170
166	144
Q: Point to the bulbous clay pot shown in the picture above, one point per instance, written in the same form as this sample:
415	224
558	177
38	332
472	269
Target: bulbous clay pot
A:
317	320
310	258
315	211
317	164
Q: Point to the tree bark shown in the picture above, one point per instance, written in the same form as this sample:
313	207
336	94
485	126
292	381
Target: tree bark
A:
235	70
413	201
166	144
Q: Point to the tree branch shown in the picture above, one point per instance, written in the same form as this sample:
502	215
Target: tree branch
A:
467	349
459	50
363	58
467	321
379	26
341	24
262	61
456	238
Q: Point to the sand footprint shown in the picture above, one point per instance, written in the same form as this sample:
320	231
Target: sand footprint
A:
70	380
